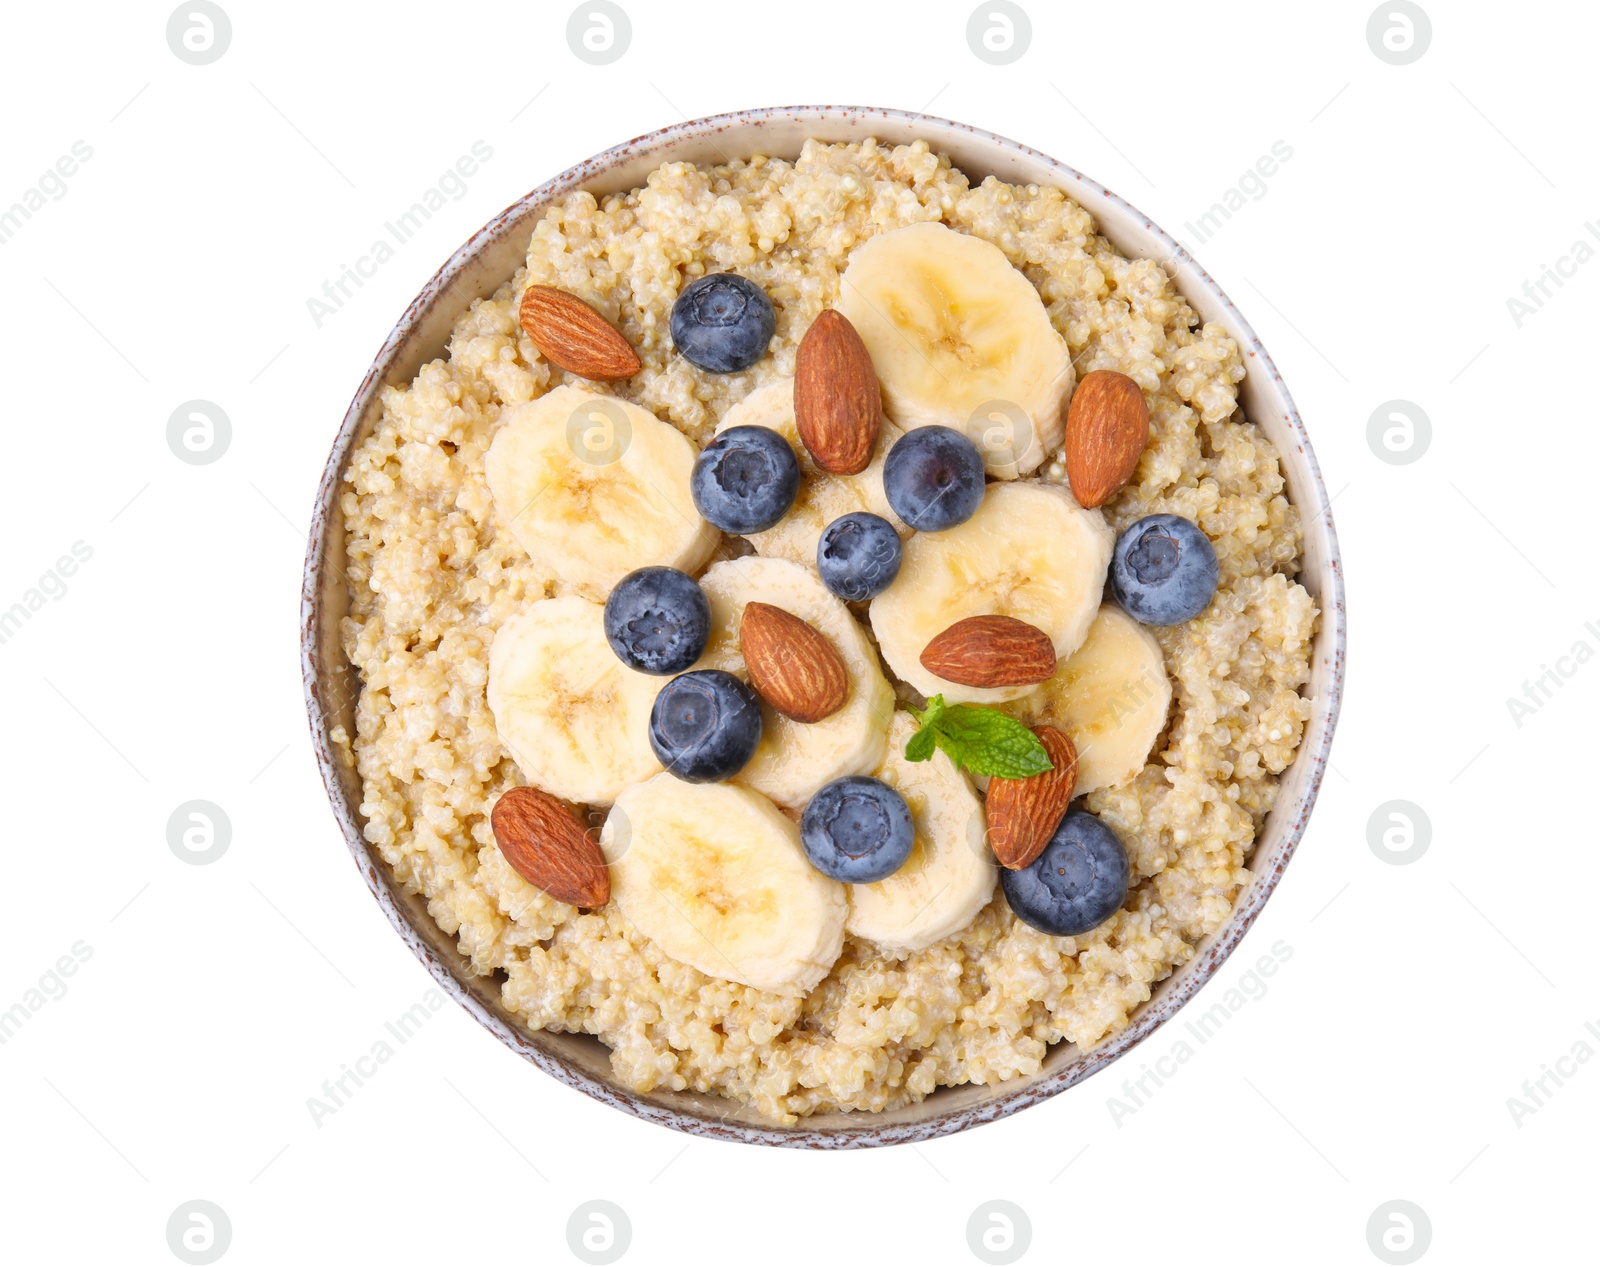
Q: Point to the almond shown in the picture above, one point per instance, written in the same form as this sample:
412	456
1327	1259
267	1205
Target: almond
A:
547	846
571	334
991	651
1024	813
1108	425
792	665
838	408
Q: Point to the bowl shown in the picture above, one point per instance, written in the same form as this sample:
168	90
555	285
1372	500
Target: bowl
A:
486	261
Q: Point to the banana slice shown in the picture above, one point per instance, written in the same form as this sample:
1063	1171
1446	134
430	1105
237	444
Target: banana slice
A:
794	758
960	338
1110	696
950	874
714	875
593	487
823	497
575	719
1030	552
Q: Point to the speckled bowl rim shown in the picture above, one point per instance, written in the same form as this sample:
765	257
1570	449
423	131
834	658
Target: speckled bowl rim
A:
329	695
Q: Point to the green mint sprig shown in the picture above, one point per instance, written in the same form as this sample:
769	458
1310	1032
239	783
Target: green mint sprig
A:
982	740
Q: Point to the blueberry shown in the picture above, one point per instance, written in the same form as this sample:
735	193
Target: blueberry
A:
658	620
745	480
1076	884
705	725
858	556
933	477
722	323
857	830
1163	570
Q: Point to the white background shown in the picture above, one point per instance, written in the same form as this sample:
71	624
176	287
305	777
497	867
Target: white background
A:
218	998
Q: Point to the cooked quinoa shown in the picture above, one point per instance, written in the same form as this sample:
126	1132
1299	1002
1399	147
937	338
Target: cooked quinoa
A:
433	576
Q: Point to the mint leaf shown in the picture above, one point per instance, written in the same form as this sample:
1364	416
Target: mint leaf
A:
921	745
986	741
982	740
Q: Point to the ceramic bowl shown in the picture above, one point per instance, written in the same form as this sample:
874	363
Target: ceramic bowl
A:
486	262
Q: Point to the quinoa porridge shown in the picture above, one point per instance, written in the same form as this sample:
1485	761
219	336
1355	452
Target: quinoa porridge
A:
435	574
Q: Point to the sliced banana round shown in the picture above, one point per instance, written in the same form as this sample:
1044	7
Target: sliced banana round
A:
1110	696
794	758
574	718
950	875
593	487
960	338
1030	552
823	497
714	875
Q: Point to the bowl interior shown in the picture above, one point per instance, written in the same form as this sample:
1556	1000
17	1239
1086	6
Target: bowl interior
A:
484	264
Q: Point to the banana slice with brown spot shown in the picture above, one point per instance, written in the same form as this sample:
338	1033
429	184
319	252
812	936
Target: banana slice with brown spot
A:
960	338
593	487
574	718
714	875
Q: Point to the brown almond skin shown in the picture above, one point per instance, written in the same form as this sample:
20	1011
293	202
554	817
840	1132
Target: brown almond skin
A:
571	334
1108	426
838	408
548	847
791	664
988	651
1024	813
